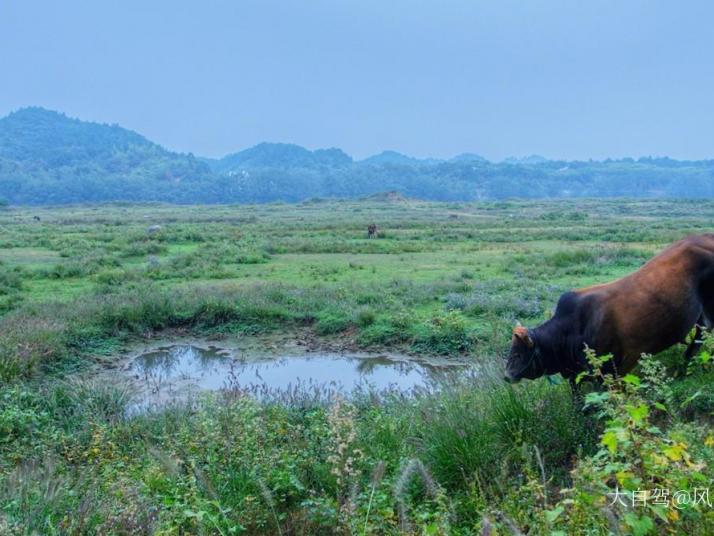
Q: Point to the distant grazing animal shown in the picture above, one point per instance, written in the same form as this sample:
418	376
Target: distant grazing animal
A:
36	218
644	312
371	231
153	229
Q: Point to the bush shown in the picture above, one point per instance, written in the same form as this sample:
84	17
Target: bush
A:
79	268
10	280
331	322
114	277
141	248
215	311
636	458
21	417
455	302
381	333
444	334
365	317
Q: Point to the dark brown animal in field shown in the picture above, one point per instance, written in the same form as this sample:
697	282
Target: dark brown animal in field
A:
645	312
371	231
36	218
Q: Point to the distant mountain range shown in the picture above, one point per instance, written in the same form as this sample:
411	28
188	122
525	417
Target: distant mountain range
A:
49	158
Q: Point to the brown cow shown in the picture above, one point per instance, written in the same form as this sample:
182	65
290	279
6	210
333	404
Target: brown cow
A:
644	312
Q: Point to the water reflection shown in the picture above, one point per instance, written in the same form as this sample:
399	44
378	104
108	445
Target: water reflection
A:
212	369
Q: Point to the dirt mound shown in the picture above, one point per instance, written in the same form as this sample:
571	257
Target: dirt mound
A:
387	197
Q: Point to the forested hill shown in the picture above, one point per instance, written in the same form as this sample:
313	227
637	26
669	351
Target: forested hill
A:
48	158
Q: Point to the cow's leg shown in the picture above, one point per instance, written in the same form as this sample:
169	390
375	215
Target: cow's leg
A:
694	345
706	319
576	392
704	324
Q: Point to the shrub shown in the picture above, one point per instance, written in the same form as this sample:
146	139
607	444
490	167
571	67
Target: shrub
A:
141	248
330	322
82	267
215	311
10	280
454	301
381	332
636	459
444	334
114	277
365	317
21	417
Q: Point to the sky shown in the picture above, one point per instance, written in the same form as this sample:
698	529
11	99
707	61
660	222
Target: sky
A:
560	78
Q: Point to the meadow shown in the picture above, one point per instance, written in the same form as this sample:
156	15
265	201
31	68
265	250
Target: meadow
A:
79	284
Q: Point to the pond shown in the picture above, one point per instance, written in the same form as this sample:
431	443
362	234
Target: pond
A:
176	372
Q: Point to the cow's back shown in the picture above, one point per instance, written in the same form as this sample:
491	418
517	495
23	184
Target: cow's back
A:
654	307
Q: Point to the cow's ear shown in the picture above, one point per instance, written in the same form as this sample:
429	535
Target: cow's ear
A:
521	333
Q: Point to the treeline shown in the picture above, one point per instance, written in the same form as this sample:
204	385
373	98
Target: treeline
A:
48	158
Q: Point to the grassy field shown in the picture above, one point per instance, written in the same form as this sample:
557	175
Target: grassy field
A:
79	284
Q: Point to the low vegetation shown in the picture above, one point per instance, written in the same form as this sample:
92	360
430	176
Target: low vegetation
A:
477	456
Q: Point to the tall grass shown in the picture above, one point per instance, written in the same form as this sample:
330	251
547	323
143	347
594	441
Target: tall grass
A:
475	432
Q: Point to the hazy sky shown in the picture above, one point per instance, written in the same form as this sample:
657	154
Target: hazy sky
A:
565	78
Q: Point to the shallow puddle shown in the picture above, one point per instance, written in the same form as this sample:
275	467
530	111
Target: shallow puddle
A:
176	372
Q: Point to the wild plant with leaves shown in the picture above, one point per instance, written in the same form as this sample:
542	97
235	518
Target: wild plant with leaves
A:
648	473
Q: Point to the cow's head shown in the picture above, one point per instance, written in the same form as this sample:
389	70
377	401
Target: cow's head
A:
524	358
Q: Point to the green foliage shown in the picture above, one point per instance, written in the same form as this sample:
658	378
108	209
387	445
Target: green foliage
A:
10	280
638	457
331	322
444	334
28	342
10	287
392	330
21	419
476	436
694	394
